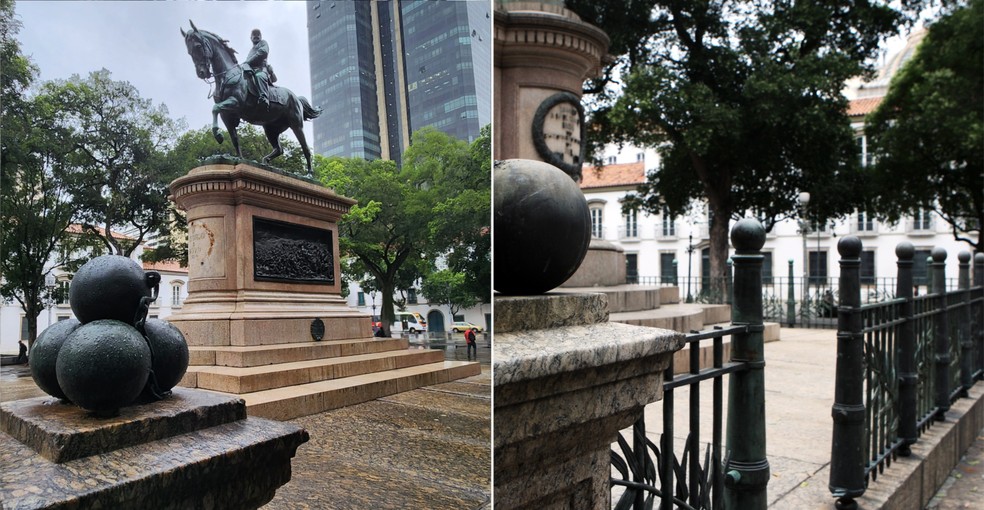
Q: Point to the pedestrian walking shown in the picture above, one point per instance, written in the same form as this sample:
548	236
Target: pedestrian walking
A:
22	353
470	340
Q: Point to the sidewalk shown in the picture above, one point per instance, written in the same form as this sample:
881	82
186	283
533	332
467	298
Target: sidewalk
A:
799	394
425	448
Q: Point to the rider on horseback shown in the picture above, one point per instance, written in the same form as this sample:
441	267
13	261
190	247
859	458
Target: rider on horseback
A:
256	67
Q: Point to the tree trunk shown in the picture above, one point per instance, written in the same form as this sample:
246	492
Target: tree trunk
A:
31	314
718	233
386	315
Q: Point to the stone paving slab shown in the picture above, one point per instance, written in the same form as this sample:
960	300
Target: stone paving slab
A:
426	448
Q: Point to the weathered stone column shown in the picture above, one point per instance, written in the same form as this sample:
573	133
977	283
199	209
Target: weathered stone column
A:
565	382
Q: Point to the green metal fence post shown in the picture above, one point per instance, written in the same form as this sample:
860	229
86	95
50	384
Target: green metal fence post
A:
908	371
847	462
940	338
791	298
979	312
747	471
963	325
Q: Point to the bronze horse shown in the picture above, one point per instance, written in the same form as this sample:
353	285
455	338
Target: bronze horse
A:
235	99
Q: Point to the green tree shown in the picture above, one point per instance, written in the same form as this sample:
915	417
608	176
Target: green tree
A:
35	211
928	133
741	99
388	225
448	288
461	176
121	170
408	217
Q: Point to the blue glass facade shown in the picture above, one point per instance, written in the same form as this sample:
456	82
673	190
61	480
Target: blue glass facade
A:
381	70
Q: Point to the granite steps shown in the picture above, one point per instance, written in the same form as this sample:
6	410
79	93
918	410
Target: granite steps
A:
289	380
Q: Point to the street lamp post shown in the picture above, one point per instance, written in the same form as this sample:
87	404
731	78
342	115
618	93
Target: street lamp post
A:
690	257
804	200
50	282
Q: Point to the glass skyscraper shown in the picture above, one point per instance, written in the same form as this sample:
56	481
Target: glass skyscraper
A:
381	70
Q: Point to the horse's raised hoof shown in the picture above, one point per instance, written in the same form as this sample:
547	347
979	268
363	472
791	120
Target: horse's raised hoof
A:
218	137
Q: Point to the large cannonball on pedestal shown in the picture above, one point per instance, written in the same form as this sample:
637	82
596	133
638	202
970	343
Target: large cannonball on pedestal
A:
108	287
542	227
103	366
44	354
170	352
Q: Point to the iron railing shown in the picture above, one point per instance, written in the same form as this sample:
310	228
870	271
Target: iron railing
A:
692	476
647	469
900	364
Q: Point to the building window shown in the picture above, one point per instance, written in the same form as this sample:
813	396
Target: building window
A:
766	268
668	225
24	328
631	225
361	299
868	266
610	160
922	220
61	293
865	222
818	267
176	295
632	268
412	296
920	267
641	156
667	269
596	223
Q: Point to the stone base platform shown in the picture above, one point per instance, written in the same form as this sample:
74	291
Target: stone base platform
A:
193	450
285	381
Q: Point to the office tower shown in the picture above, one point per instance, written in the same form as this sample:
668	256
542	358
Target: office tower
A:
381	70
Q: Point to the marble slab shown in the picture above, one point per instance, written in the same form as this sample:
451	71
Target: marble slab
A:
548	311
61	431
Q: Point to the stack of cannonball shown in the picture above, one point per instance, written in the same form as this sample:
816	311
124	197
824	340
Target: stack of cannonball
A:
100	361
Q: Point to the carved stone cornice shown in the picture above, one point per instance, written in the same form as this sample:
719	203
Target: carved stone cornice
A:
557	40
245	184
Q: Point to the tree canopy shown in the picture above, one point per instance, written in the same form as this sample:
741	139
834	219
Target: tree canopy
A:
927	135
436	205
120	170
741	99
35	208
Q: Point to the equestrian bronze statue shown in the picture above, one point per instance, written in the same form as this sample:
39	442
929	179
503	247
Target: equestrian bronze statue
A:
238	89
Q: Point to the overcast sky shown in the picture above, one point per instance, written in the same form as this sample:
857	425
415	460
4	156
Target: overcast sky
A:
140	42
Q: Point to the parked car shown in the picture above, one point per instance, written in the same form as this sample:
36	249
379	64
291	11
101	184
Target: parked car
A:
460	326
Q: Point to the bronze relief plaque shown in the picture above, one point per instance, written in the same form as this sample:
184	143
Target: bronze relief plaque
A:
287	252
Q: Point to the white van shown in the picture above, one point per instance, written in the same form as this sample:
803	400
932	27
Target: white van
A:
410	322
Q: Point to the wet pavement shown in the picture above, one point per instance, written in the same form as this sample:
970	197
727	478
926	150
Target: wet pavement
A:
425	448
964	488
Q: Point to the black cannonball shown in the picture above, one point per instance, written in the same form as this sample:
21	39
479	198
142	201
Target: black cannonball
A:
103	366
542	227
170	353
44	354
108	287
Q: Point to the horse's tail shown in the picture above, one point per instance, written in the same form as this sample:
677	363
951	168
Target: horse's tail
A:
310	112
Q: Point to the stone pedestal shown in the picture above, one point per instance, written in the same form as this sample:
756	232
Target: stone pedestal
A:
263	259
543	54
603	266
565	382
195	449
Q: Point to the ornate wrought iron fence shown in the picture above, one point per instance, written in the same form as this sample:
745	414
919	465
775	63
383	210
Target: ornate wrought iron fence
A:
647	470
694	477
917	355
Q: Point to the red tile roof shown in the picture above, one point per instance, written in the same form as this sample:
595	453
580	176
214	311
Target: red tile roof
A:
171	266
862	107
622	174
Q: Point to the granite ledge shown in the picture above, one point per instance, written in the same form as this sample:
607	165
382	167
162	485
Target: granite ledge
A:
541	353
61	431
549	311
